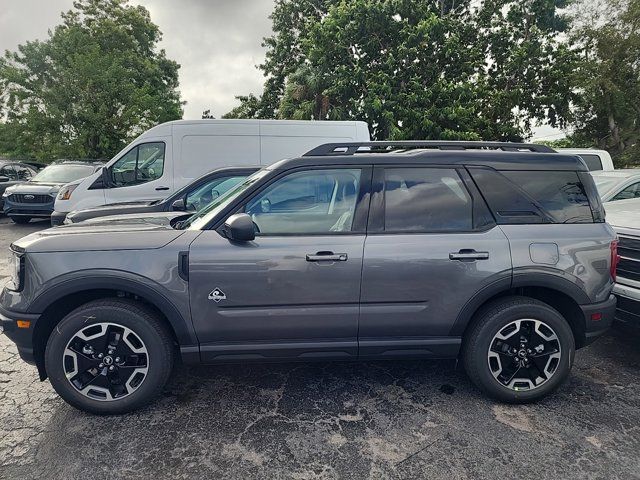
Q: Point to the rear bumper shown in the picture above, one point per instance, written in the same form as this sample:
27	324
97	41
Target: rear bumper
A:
57	218
22	337
628	303
598	318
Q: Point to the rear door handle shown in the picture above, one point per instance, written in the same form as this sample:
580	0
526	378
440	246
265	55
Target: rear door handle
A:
468	255
327	257
160	189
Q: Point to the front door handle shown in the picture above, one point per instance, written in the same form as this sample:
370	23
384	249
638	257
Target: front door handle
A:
160	189
468	255
327	257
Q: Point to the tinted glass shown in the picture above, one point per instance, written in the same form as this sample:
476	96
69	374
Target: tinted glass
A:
632	191
604	184
426	200
63	173
311	202
592	161
561	195
9	172
23	173
208	192
143	163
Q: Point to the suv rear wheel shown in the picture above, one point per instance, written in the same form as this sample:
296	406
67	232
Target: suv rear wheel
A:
109	356
518	350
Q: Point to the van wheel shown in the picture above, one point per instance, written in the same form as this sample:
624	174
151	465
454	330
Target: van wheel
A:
518	350
21	220
109	356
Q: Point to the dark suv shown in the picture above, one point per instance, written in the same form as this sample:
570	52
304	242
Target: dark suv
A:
496	253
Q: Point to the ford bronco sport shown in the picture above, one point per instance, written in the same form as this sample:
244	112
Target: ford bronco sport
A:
497	253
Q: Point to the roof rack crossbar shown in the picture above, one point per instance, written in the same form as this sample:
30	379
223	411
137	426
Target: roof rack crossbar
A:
351	148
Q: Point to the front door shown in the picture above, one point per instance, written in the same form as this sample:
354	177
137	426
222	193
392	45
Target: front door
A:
293	292
431	247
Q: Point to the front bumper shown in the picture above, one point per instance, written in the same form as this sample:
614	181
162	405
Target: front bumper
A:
598	318
34	210
58	218
22	337
628	303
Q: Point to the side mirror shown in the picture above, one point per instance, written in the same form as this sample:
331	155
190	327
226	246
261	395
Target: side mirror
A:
179	205
3	179
240	228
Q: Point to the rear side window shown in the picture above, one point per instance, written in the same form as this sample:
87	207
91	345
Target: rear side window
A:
593	161
426	200
534	196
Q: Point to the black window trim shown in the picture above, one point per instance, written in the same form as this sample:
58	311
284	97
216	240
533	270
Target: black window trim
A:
359	219
376	225
99	183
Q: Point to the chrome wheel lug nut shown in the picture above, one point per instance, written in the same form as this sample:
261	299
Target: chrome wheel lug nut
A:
101	365
112	368
100	355
117	359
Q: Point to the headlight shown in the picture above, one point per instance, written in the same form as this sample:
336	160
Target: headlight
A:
17	272
6	193
65	192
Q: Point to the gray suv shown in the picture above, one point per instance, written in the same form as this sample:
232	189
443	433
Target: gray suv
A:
495	253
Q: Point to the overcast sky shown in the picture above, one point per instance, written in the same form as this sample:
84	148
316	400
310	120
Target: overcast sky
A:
216	42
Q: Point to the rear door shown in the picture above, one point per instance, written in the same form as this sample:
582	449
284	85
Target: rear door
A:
431	247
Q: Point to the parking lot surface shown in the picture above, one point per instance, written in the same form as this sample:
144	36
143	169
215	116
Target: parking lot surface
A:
329	420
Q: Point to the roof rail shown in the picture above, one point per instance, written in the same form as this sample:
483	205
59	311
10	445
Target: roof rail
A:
351	148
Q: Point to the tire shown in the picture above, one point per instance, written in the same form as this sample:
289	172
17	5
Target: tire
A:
21	220
507	321
134	332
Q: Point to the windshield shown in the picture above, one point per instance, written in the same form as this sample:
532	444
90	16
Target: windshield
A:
604	184
199	219
63	173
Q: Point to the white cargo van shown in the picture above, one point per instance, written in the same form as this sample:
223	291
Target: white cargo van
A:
595	159
170	155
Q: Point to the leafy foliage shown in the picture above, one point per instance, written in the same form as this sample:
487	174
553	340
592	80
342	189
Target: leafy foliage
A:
418	68
96	82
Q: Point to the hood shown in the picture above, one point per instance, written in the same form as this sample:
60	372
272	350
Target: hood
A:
118	232
35	188
111	206
624	215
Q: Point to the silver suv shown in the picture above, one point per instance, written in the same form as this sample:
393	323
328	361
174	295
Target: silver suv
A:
496	253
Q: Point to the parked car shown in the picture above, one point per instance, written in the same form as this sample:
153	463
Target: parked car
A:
595	159
496	253
13	173
618	184
624	217
35	198
172	155
191	198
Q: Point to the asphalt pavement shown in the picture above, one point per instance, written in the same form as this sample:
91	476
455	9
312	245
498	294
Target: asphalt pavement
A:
409	419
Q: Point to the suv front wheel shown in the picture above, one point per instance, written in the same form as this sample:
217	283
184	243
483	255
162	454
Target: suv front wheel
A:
518	350
109	356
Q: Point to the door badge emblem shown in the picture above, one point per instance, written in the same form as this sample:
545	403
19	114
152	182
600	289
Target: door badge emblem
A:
217	295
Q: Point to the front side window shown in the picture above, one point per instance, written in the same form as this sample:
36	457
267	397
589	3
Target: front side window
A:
309	202
22	172
143	163
426	200
632	191
207	193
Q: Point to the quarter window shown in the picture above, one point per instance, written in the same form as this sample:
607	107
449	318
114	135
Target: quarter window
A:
310	202
426	200
143	163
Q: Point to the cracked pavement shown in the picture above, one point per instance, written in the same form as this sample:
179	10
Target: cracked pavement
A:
396	419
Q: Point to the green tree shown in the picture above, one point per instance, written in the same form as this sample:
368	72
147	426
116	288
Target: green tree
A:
420	68
608	108
97	81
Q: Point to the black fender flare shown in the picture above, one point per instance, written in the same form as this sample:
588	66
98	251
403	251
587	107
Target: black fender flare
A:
122	281
551	281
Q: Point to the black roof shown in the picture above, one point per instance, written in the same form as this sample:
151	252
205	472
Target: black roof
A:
498	155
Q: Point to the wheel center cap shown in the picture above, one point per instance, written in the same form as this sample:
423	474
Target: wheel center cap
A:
522	354
107	360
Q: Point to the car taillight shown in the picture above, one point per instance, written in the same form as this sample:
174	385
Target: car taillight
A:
615	258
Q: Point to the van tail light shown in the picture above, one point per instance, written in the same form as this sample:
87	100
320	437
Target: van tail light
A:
615	259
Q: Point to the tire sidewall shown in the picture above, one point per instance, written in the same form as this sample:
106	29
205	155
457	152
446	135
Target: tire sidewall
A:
496	323
84	317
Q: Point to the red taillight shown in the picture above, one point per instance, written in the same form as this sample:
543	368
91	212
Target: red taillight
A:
615	258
